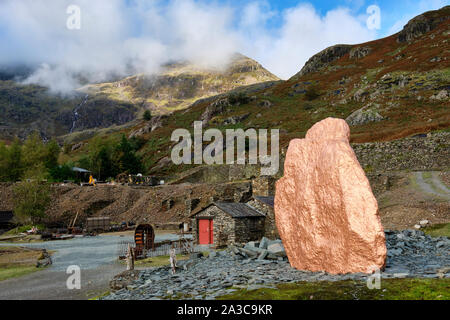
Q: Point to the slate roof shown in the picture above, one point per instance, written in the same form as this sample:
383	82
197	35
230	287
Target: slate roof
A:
238	210
266	200
6	216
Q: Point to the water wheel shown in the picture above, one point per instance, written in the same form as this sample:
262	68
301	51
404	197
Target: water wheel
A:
144	238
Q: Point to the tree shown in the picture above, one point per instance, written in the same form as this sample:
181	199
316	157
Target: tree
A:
63	172
11	167
101	164
15	166
125	158
3	162
51	155
33	152
147	115
312	93
31	199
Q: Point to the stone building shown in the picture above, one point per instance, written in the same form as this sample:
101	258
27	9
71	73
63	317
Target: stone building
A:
223	223
265	205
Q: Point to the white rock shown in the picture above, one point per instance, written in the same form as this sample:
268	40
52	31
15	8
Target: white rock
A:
277	249
424	222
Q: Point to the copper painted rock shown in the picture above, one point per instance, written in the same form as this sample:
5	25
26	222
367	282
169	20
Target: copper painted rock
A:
325	211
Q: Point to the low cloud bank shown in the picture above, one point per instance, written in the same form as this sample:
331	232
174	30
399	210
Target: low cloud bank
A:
119	37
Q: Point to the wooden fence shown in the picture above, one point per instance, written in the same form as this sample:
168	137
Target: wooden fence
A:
181	246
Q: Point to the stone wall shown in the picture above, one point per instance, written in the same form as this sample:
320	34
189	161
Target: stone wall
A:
264	186
422	152
249	229
270	227
416	153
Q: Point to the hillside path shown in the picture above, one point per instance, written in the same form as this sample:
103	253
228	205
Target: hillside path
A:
432	185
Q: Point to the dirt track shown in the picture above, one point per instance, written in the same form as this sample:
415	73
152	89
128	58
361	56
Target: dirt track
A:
51	285
96	256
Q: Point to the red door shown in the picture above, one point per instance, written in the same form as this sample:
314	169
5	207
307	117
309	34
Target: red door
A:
205	231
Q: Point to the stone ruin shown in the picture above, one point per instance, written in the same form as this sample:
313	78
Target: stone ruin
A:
325	211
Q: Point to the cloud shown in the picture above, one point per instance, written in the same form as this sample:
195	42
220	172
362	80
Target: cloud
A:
119	37
304	33
419	8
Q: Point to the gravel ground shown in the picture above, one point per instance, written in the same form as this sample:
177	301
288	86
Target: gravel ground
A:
96	256
410	254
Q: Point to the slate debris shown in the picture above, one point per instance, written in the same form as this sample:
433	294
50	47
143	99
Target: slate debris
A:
411	253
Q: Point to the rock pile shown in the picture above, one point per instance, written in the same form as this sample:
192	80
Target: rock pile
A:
44	259
411	253
265	249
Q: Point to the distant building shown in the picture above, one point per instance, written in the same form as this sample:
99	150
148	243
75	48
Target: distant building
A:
223	223
98	224
82	174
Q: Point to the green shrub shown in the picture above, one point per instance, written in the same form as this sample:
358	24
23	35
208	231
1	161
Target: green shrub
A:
312	93
147	115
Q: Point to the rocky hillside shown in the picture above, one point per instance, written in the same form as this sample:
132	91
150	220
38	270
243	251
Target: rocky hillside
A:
27	108
181	84
386	89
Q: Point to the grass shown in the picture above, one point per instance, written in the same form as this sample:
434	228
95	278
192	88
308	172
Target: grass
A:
391	289
438	230
22	229
16	271
17	262
156	261
98	297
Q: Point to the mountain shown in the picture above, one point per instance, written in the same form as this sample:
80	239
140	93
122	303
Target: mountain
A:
179	85
27	108
386	89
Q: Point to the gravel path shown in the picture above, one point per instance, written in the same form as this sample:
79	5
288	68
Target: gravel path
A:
438	183
51	284
96	257
410	254
433	185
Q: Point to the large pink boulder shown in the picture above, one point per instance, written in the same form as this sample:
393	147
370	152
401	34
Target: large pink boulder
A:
325	211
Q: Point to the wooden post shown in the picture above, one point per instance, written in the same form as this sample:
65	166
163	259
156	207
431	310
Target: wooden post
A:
130	258
173	260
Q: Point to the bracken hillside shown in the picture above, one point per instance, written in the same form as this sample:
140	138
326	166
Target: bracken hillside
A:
386	89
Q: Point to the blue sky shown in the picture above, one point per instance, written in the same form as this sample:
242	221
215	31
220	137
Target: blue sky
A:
144	34
393	12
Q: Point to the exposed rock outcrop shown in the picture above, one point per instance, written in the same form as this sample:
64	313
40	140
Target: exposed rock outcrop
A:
155	123
366	114
324	57
359	52
325	211
423	24
214	109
